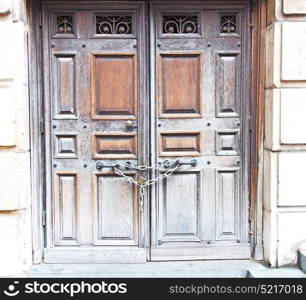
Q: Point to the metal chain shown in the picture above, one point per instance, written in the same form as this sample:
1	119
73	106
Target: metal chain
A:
142	183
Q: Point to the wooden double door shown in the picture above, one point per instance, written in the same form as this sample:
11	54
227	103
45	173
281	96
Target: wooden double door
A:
146	83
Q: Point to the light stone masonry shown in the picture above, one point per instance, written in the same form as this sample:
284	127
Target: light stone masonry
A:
285	133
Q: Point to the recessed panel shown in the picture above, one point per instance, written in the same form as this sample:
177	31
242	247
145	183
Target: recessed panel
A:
227	142
64	89
65	146
180	85
66	209
227	85
227	218
114	86
180	207
113	146
180	143
116	209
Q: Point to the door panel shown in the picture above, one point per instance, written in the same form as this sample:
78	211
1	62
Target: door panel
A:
96	57
180	84
116	206
201	102
114	86
180	208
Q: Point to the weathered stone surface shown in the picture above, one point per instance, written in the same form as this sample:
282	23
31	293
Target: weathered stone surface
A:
291	236
18	10
14	180
7	116
293	51
292	188
271	178
296	7
13	55
273	51
293	112
15	237
5	7
272	115
302	260
270	237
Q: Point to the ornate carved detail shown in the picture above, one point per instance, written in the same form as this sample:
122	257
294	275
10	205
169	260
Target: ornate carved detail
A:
114	24
180	24
228	24
64	25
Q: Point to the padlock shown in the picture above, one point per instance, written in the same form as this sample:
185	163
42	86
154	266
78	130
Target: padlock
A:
141	180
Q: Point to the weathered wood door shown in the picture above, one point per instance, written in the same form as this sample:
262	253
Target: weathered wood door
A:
201	98
121	88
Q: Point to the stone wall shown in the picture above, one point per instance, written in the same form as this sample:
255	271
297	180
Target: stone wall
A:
285	132
15	209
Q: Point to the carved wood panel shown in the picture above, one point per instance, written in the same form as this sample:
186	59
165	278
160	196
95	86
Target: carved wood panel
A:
180	208
66	211
64	91
180	91
114	86
116	211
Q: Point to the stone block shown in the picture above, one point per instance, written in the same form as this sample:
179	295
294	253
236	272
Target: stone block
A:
292	188
15	235
273	51
302	260
270	237
14	180
5	7
272	119
270	180
293	51
291	236
7	117
13	55
294	7
293	112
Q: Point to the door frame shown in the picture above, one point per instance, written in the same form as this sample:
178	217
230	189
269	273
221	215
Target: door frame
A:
38	172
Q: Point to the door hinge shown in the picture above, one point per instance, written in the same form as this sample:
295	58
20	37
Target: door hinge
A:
250	124
251	17
43	219
40	18
41	127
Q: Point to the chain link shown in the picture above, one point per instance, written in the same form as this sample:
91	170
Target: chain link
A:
143	183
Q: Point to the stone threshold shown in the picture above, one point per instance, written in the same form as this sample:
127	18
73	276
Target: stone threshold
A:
173	269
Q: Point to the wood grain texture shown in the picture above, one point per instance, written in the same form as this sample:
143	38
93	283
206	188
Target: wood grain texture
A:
114	146
180	208
180	88
114	85
180	143
66	145
65	85
116	210
227	207
227	85
66	209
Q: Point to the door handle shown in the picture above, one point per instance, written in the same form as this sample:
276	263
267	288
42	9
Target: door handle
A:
179	162
130	125
127	165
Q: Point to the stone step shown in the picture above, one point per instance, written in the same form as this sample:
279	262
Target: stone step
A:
284	272
302	260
